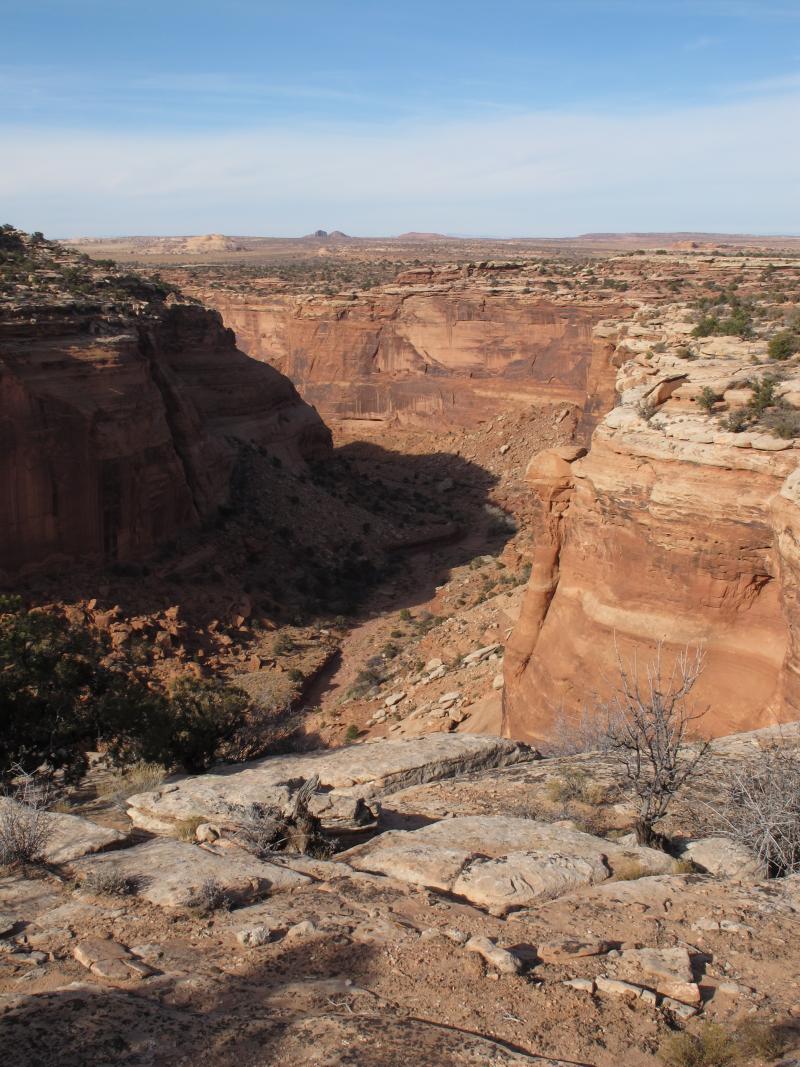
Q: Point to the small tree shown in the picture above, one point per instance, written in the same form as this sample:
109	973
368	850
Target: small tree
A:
649	723
783	345
707	399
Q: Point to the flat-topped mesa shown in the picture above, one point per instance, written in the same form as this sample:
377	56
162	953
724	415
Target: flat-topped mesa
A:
680	525
122	410
458	342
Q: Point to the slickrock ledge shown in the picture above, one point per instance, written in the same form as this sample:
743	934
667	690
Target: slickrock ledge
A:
500	863
349	778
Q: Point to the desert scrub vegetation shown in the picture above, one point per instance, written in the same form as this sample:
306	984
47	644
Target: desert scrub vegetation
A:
25	829
761	807
765	411
124	782
108	881
61	698
715	1046
211	897
784	345
575	783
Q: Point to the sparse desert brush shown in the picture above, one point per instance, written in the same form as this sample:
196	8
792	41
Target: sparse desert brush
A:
211	897
683	866
575	783
711	1047
140	777
24	825
108	881
763	1040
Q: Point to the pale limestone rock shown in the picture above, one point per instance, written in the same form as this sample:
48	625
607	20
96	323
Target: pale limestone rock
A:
725	858
668	969
498	863
499	958
172	873
348	777
585	985
617	988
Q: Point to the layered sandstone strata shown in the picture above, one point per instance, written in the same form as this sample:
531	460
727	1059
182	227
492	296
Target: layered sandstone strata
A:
439	342
671	529
116	435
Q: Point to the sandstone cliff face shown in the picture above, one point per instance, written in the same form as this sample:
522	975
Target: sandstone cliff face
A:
670	529
117	432
438	343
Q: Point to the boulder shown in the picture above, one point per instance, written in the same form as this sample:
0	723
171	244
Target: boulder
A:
724	858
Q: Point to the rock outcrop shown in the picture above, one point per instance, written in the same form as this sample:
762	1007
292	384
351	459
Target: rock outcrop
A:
672	529
122	413
349	778
439	342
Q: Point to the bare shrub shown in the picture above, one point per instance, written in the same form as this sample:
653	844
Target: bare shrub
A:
260	828
109	881
761	808
649	723
25	828
211	897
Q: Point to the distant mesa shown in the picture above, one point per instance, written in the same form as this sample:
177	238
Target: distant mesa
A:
323	235
415	235
211	242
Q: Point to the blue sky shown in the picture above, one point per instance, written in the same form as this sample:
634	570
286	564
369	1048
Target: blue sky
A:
512	118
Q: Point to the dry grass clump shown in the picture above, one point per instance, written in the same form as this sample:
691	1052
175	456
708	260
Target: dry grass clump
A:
140	777
109	881
186	829
575	783
630	871
762	1040
713	1046
761	809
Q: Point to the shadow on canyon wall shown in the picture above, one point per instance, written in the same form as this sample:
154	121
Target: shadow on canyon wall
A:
345	535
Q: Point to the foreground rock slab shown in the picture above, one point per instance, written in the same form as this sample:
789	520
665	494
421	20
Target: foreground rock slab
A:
70	836
348	778
173	874
499	863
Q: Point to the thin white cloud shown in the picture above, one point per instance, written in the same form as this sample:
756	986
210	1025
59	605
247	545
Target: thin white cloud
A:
701	44
724	167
